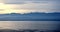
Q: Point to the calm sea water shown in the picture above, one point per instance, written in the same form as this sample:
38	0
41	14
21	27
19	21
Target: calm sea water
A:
51	25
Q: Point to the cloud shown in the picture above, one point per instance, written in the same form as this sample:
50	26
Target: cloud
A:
22	6
37	7
28	1
1	9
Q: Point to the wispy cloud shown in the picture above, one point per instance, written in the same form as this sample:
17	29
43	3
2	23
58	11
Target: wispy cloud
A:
32	5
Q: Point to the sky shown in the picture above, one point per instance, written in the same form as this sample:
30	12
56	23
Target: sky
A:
27	6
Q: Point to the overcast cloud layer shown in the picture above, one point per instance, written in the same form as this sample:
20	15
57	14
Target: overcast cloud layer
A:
23	6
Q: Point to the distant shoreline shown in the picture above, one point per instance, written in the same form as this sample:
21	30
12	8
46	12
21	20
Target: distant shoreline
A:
33	20
30	17
29	30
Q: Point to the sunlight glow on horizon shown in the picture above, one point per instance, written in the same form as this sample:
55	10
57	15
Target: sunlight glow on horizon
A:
10	6
4	8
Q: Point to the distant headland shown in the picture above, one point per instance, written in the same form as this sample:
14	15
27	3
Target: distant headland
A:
36	16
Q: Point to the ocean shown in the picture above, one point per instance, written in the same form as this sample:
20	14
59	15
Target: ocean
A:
42	25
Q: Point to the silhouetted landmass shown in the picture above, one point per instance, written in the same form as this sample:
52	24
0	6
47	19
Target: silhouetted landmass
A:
27	30
30	17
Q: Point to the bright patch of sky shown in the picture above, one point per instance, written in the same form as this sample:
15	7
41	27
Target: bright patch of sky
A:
26	6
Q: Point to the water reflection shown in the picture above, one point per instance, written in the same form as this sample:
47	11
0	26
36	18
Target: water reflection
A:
50	25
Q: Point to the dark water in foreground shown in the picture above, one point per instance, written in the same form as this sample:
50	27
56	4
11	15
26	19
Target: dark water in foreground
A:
39	25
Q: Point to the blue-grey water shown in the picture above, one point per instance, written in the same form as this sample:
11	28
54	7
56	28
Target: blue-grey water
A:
50	25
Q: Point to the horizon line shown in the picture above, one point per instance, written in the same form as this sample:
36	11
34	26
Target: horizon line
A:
30	12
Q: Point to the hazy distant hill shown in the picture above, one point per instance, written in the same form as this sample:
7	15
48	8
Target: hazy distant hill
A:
30	17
